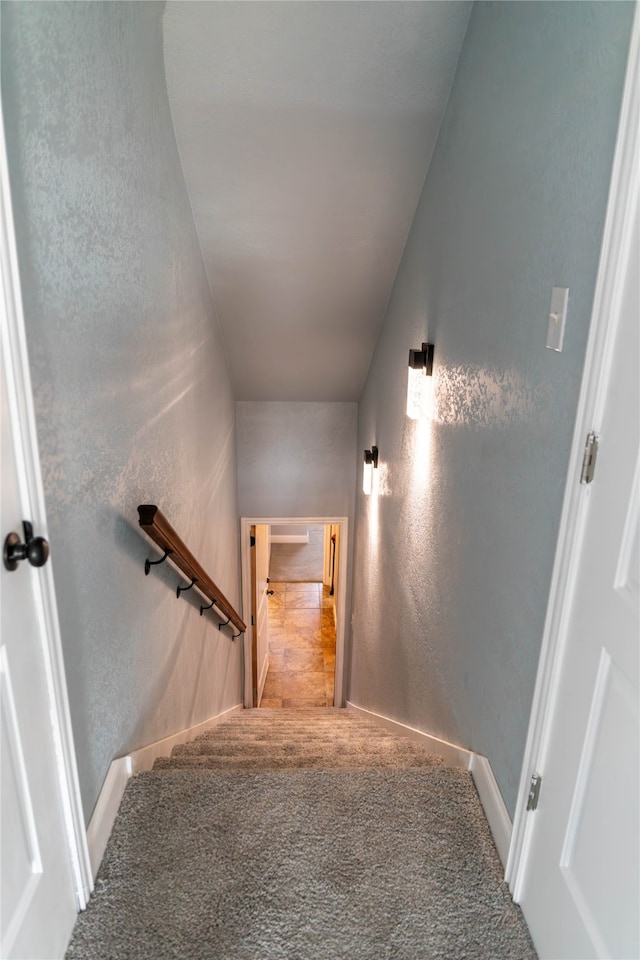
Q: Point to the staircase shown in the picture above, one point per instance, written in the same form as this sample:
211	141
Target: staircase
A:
286	834
280	739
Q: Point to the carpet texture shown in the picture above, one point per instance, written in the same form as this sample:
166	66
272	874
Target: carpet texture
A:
299	562
387	861
277	739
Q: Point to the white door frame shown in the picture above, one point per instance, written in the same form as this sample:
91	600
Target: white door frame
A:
245	524
22	416
624	190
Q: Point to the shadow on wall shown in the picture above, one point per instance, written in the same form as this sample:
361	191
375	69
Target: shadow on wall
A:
299	562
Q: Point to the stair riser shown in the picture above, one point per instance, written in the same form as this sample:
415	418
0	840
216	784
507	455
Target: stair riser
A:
297	739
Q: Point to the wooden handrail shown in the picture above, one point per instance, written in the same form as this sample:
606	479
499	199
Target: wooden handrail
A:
158	528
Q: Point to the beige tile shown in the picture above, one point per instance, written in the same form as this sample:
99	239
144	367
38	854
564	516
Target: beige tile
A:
302	702
299	589
329	683
302	639
328	643
277	659
273	684
301	646
303	618
296	685
305	659
329	658
302	602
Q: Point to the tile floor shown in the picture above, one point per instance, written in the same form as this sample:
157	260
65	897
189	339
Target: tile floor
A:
302	646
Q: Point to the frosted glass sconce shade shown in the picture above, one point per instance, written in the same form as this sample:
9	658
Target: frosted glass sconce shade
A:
419	380
369	465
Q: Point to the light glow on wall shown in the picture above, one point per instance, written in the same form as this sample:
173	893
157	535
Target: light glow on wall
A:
427	400
421	466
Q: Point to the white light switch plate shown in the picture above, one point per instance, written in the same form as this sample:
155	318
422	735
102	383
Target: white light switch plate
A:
557	317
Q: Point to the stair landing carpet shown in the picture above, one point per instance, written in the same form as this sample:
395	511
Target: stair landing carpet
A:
388	859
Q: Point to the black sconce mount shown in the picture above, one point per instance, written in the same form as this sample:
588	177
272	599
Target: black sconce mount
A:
422	359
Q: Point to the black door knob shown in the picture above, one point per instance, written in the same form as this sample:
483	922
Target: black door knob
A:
270	593
34	549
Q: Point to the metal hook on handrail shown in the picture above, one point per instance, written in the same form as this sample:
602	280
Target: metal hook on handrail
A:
234	636
202	609
180	590
152	563
221	625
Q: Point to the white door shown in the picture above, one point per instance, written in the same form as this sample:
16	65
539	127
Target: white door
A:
260	608
580	892
45	873
37	891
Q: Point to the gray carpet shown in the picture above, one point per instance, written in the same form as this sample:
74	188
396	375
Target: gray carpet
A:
382	863
283	739
299	562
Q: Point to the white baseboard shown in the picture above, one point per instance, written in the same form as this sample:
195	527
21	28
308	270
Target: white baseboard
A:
452	754
493	804
144	758
480	768
105	810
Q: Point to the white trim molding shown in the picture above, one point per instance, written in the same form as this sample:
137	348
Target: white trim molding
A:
20	399
121	769
494	807
144	758
614	255
455	756
106	809
451	753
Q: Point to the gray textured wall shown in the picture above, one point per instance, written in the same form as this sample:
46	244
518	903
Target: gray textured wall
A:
299	460
132	396
454	555
296	459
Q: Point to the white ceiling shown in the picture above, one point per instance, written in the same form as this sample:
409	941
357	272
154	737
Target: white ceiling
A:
305	130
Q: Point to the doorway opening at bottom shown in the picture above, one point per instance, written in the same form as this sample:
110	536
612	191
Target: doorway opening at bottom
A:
294	585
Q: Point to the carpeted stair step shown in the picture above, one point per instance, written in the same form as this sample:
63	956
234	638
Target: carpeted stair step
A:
295	835
301	865
322	761
221	748
297	739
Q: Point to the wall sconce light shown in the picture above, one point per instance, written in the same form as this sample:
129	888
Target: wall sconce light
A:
370	464
419	388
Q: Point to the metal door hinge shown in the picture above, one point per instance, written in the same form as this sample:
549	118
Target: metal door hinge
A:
590	456
534	791
253	623
252	541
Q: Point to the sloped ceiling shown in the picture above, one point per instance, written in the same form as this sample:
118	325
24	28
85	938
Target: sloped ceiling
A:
306	130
